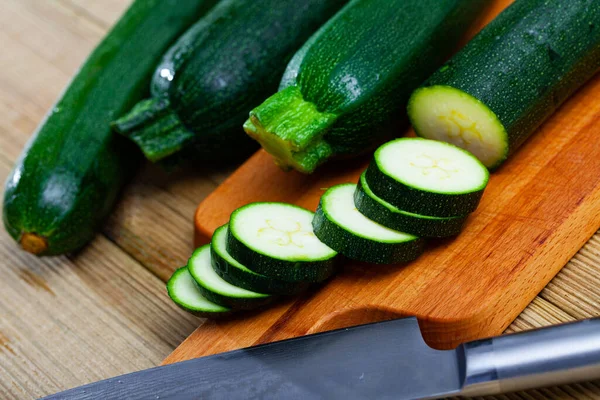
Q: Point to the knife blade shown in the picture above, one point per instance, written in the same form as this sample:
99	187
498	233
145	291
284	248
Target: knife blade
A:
385	360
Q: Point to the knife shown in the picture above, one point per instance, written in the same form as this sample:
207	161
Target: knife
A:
384	360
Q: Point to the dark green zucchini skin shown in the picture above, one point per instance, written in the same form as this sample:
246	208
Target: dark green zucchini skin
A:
386	214
225	65
68	177
343	93
362	249
527	62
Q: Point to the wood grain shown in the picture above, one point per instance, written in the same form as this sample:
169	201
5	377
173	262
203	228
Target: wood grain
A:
69	321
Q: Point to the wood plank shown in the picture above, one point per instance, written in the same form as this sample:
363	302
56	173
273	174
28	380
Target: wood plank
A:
102	12
67	321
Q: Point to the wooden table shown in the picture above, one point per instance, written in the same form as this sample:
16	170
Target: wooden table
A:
66	321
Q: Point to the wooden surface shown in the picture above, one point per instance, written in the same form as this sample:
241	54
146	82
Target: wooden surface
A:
66	321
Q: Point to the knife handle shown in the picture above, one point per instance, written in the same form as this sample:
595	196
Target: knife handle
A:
543	357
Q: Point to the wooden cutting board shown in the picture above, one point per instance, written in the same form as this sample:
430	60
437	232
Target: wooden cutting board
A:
537	211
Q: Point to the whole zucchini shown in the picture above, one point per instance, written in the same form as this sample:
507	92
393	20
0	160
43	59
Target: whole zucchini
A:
216	73
343	91
491	96
67	179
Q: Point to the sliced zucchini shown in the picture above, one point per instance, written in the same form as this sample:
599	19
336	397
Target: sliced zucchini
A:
427	177
235	273
381	211
341	226
183	290
218	290
277	240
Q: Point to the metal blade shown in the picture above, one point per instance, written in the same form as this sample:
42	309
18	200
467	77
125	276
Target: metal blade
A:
386	360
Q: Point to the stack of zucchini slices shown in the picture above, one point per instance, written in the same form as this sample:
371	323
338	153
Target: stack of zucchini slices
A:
266	250
413	189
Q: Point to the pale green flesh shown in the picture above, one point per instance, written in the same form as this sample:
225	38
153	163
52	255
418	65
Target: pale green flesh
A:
219	245
202	271
278	230
338	205
432	166
450	115
184	291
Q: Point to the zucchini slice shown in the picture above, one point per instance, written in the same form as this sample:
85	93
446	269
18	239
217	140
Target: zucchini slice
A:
381	211
340	225
494	93
183	290
277	240
218	290
427	177
238	275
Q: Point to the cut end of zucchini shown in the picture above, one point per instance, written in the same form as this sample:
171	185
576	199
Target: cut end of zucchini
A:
450	115
183	290
155	128
33	243
291	130
278	230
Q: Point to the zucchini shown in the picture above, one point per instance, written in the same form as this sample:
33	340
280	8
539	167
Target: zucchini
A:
342	92
68	177
277	240
216	73
379	210
237	274
183	290
427	177
216	289
341	226
492	95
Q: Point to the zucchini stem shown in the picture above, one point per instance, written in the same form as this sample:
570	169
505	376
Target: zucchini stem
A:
292	130
155	127
33	243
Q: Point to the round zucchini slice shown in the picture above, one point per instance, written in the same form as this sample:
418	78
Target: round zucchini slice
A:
381	211
184	291
427	177
237	274
277	240
218	290
341	226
